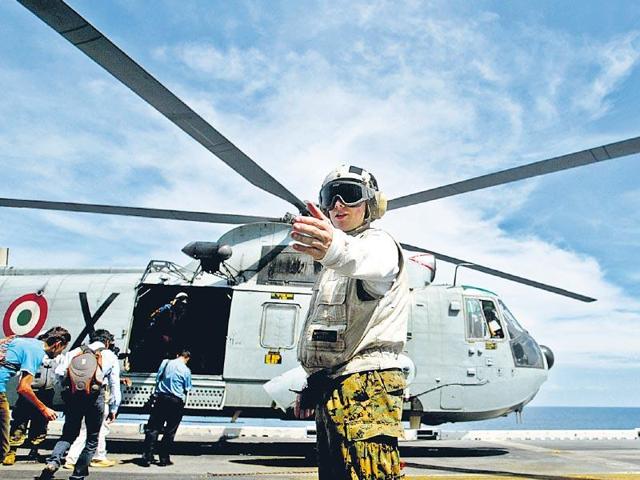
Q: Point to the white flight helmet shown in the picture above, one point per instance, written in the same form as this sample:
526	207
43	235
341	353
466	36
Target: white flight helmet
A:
353	185
182	297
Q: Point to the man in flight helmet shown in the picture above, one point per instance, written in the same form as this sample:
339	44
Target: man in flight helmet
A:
166	326
355	329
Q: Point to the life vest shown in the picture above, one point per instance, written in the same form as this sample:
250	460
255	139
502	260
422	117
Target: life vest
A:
348	330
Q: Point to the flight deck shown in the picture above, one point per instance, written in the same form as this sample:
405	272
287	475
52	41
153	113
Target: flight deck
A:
285	450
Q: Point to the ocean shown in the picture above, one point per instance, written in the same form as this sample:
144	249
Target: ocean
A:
558	418
533	418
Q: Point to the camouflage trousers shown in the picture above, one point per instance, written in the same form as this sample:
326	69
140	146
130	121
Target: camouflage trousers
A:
358	425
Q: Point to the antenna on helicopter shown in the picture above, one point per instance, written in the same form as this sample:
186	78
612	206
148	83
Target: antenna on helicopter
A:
455	272
210	254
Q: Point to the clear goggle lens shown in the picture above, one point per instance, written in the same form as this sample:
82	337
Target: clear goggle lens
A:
349	193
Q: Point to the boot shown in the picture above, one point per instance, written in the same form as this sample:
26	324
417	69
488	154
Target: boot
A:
17	437
48	471
147	460
9	458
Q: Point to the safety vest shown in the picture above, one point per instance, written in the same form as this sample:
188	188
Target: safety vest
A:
348	330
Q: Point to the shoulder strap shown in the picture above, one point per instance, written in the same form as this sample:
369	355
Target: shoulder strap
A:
4	344
13	367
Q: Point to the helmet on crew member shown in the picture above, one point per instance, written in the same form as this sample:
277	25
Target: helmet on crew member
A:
353	185
182	297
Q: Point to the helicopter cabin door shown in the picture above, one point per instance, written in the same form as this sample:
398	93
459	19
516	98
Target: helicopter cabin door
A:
164	325
485	337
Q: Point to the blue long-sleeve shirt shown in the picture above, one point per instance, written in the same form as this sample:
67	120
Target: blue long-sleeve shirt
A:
174	377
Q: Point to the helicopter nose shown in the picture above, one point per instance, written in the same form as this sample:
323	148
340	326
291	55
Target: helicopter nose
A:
548	355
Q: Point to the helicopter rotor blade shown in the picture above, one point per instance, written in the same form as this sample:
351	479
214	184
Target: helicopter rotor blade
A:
74	28
551	165
498	273
135	211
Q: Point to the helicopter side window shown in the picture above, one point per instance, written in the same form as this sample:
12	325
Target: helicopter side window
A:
476	326
278	327
493	321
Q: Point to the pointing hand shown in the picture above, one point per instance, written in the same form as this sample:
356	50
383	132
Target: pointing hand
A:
312	234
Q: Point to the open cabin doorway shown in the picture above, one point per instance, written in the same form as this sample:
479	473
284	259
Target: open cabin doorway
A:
200	327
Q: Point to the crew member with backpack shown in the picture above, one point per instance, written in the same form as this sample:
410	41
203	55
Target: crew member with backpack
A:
100	458
25	356
84	372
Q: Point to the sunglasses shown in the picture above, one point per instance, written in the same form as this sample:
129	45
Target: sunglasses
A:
349	193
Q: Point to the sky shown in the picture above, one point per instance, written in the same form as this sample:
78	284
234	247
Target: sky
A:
420	93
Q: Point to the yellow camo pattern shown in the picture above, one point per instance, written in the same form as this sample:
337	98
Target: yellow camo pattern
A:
362	420
372	459
368	404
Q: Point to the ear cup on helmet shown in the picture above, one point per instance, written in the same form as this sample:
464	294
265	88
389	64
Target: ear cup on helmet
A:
378	205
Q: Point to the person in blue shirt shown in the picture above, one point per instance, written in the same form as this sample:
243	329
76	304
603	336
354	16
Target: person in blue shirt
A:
173	382
28	425
24	356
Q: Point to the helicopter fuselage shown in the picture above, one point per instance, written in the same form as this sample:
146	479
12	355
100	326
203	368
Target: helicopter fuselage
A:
468	358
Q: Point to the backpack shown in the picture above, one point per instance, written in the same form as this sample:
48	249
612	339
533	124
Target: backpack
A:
84	373
43	379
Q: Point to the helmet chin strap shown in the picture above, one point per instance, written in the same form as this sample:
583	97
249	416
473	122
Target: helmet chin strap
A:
366	223
360	229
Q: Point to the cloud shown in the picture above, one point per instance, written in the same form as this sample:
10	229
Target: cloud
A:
422	95
615	62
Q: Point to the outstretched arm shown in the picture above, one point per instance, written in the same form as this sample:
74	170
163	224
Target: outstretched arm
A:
372	258
25	390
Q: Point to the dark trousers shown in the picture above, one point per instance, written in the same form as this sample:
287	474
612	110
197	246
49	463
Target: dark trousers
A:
27	418
166	415
77	408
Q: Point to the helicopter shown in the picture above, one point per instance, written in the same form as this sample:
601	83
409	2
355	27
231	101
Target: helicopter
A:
462	368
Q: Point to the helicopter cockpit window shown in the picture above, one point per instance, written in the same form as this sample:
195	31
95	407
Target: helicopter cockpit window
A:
494	325
476	326
526	352
515	329
278	329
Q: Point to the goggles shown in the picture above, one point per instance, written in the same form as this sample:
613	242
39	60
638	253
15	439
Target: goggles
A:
349	193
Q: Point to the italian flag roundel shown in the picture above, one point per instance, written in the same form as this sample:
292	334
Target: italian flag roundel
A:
25	316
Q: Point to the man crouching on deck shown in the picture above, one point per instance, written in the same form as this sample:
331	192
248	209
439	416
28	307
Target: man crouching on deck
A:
354	331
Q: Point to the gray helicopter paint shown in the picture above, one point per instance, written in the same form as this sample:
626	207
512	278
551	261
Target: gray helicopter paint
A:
460	378
245	369
205	217
68	23
451	398
623	148
62	294
61	291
